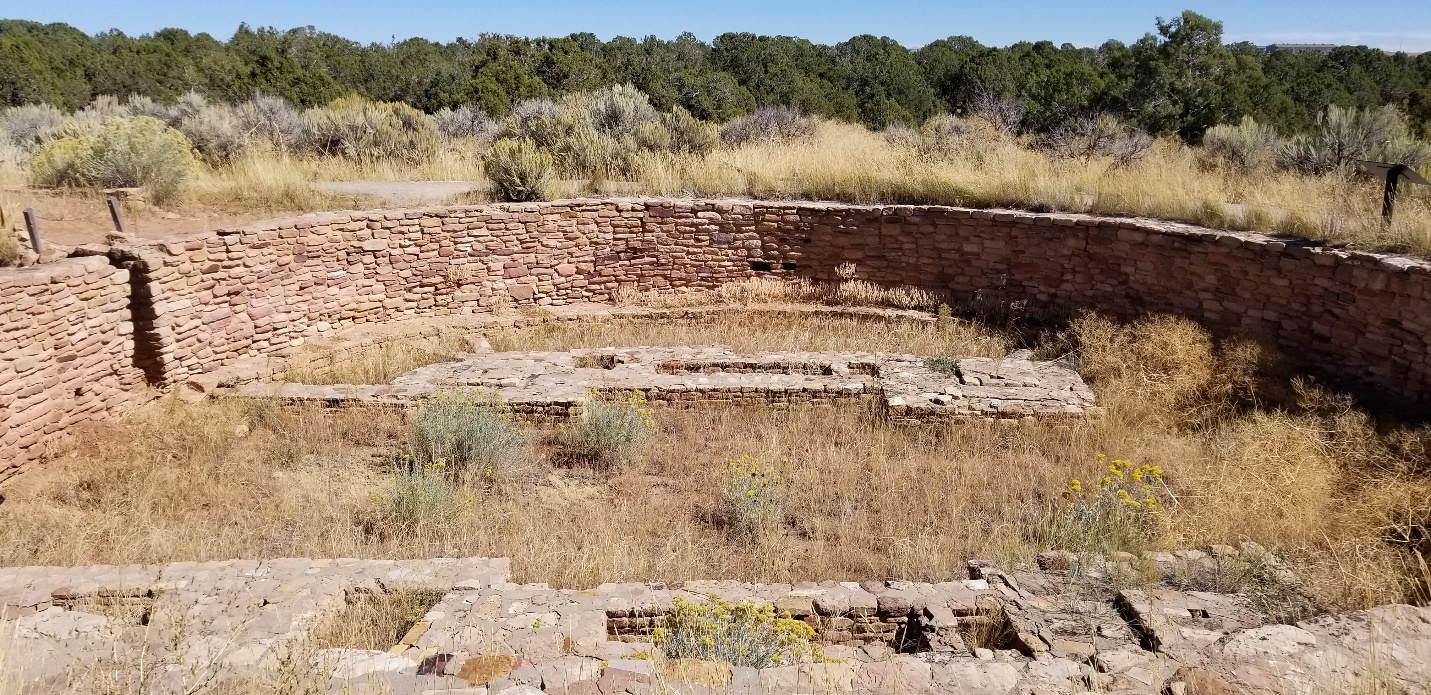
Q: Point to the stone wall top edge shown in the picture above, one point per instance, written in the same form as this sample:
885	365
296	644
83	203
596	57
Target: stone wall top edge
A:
1394	262
45	273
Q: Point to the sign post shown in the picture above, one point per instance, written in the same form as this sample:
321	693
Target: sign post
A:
1393	175
33	228
115	215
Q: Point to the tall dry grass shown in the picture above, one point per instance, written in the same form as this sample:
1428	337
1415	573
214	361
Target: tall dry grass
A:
1261	459
849	163
764	331
846	162
267	182
375	364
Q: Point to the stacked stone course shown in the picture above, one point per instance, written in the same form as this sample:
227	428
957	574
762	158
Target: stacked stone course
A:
208	301
259	290
65	347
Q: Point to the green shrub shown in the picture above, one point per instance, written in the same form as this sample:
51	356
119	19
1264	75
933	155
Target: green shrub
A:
689	134
750	492
420	500
653	136
618	110
519	171
471	433
610	430
540	120
942	364
1122	512
1247	145
746	634
216	132
136	151
356	128
58	162
584	151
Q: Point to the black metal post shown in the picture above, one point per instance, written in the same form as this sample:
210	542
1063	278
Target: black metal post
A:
115	215
33	228
1388	196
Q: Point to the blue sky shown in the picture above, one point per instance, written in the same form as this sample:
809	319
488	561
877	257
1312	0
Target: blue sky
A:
1403	24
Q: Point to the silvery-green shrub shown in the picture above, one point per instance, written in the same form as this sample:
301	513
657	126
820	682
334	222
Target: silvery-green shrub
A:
132	151
28	126
467	122
519	170
272	120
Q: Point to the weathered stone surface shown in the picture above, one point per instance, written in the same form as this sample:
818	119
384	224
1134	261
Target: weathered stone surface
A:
353	664
246	615
536	384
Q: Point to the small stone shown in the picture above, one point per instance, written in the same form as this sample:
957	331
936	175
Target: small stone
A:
797	605
1078	651
615	680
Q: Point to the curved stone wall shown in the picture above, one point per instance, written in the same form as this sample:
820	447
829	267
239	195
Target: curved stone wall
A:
209	300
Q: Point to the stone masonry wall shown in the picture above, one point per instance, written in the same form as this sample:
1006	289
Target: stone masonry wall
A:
209	300
258	290
65	352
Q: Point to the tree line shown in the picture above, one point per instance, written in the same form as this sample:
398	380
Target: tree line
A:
1180	79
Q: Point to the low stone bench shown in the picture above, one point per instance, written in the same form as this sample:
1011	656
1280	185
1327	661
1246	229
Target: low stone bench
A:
911	389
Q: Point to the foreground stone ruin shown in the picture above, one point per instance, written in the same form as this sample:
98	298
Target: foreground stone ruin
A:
555	384
1066	628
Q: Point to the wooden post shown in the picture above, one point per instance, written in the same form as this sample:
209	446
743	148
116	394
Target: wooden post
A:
34	229
115	215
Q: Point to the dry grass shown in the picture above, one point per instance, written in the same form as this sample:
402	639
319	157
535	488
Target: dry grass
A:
374	621
760	331
266	182
848	291
848	163
376	364
1310	477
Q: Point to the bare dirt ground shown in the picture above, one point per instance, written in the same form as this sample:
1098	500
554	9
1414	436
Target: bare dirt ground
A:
70	218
